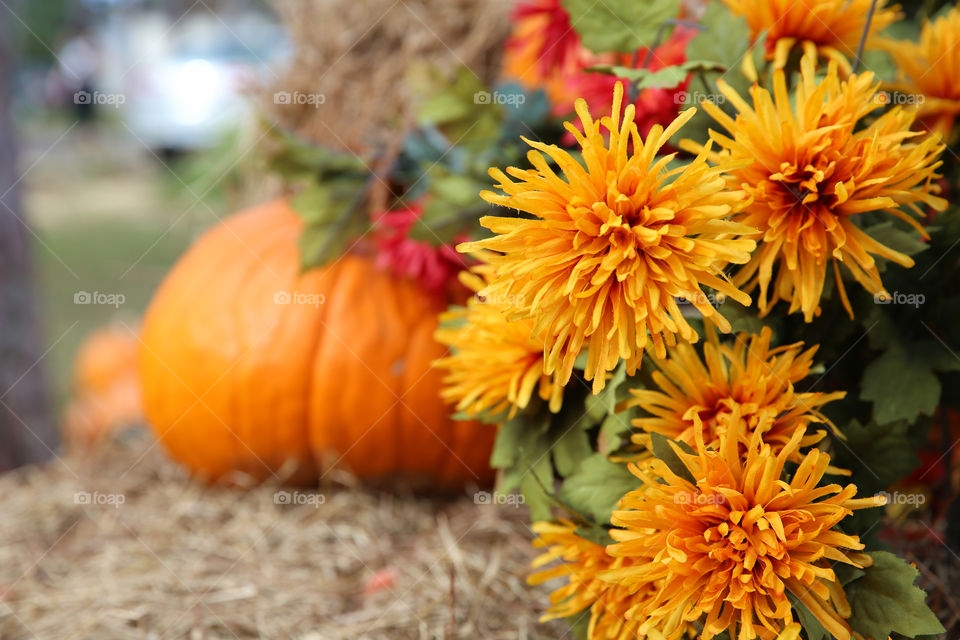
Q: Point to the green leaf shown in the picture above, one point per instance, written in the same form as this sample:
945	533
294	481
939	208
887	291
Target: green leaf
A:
877	454
812	628
570	449
295	159
937	354
741	318
518	434
331	210
724	40
596	487
596	534
604	403
902	240
611	432
665	78
901	387
534	484
459	105
579	624
663	449
619	25
885	600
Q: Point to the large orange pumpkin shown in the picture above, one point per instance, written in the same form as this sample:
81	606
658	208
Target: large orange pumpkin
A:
249	364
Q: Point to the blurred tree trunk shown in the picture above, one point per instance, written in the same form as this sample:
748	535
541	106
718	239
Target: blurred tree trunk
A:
27	432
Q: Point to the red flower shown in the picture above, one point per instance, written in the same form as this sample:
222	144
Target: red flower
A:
557	43
434	267
653	106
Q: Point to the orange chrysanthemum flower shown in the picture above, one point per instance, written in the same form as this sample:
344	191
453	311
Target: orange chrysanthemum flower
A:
608	249
831	28
745	381
496	364
810	169
931	67
581	561
728	548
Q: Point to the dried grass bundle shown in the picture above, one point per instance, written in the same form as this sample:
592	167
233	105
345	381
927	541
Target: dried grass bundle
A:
356	53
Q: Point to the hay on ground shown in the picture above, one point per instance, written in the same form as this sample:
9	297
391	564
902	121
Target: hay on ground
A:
181	560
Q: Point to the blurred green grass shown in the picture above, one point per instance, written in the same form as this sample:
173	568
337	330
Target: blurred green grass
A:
128	258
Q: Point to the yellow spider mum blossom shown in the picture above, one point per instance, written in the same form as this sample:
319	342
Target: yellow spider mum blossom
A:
747	380
608	249
730	547
831	28
496	363
810	170
581	561
932	67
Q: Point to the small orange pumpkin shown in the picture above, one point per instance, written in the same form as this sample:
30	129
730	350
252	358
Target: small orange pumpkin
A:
248	363
106	391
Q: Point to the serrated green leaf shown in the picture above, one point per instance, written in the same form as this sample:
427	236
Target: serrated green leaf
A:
596	487
724	39
619	25
663	450
900	387
885	600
